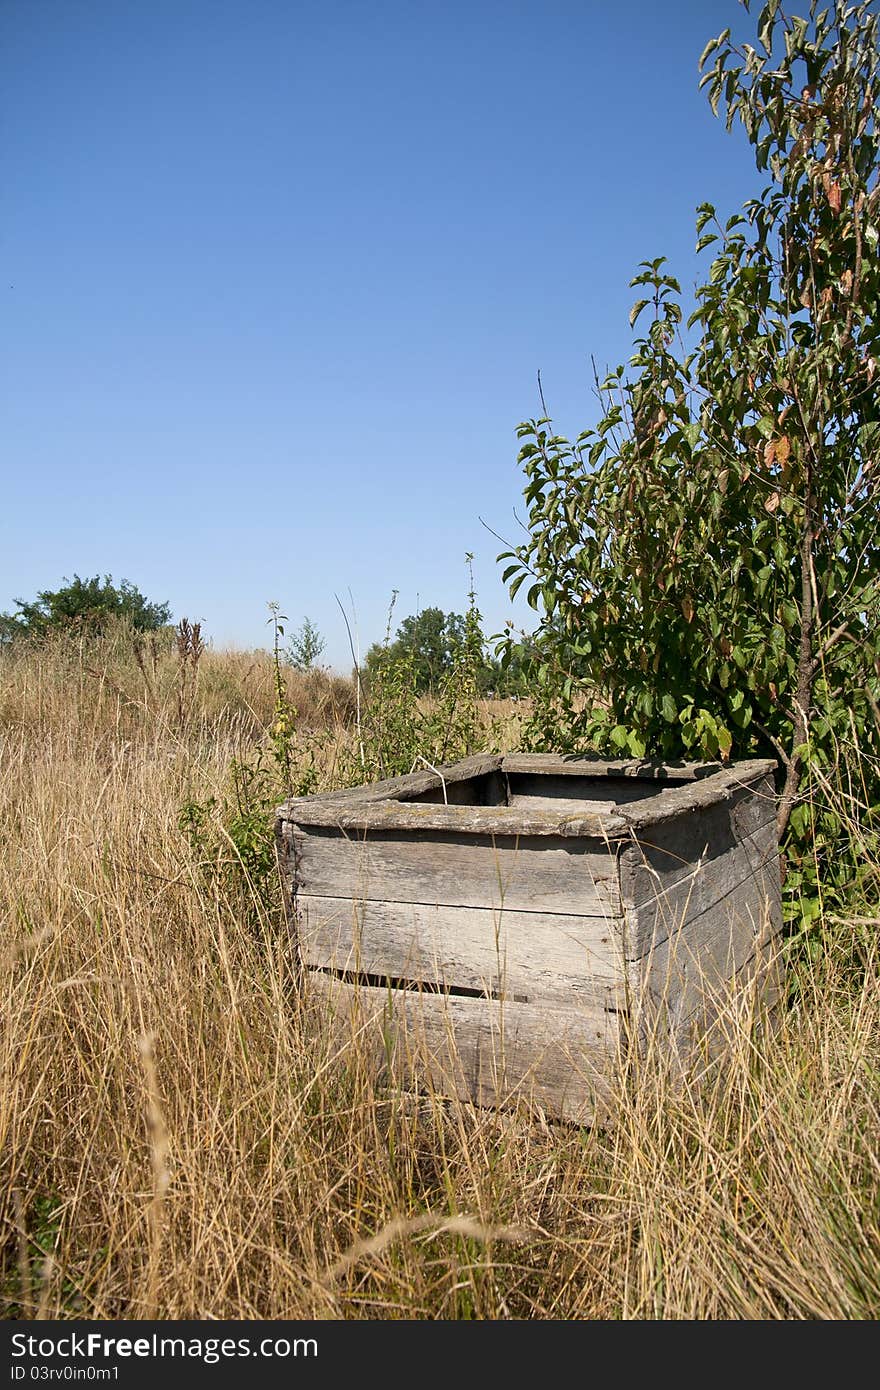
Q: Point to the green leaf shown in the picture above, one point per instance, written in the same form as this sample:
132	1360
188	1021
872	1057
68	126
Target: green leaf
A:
517	583
636	309
766	21
693	433
766	426
710	48
668	709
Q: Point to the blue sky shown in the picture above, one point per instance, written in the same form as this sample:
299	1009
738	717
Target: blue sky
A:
278	277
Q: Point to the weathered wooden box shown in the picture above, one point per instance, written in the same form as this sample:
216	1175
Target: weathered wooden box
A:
516	921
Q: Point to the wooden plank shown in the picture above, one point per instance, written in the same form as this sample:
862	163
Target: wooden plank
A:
694	966
594	794
528	802
526	875
410	784
523	956
560	765
707	1021
679	869
680	803
480	1050
419	816
696	891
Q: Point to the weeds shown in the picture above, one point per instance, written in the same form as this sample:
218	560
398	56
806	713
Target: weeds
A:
230	832
180	1135
400	729
190	649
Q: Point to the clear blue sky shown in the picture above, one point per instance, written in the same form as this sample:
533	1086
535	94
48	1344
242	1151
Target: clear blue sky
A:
278	277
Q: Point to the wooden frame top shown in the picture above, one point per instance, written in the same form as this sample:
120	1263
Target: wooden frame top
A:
388	805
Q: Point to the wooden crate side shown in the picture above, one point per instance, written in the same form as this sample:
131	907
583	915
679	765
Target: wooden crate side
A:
678	870
706	1022
522	956
478	1049
549	874
596	790
697	961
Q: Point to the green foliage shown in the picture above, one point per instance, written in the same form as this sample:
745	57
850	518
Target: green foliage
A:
429	646
400	729
390	738
458	725
426	643
706	560
232	833
44	1225
87	603
305	648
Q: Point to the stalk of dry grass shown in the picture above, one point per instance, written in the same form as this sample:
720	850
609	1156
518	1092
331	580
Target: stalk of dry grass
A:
180	1138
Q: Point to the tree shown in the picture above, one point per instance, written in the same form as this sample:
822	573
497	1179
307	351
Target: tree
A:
86	603
706	561
429	641
305	647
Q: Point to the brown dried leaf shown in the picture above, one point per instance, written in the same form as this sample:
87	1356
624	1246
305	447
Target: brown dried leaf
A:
772	503
769	453
783	449
687	608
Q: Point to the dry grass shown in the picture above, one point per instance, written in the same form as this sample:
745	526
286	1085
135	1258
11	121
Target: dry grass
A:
179	1140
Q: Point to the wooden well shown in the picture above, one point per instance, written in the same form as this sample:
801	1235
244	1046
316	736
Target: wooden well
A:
514	922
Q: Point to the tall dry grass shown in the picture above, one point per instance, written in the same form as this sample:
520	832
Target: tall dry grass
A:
179	1136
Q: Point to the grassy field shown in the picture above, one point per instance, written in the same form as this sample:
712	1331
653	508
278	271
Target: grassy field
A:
179	1139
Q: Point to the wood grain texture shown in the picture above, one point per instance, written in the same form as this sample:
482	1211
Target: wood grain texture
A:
420	816
693	967
477	1049
680	869
523	956
568	808
599	789
702	1024
694	798
526	875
